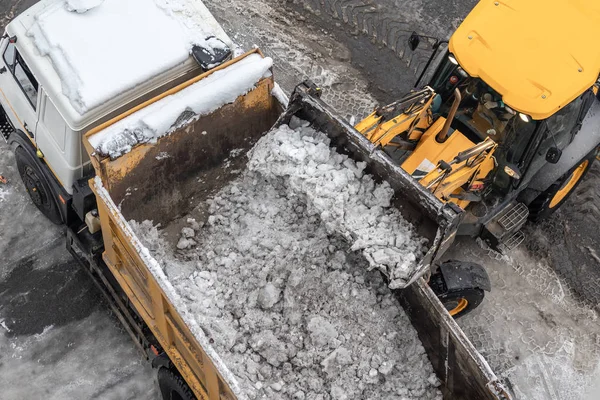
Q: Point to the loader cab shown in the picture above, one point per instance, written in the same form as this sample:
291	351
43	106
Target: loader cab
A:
525	145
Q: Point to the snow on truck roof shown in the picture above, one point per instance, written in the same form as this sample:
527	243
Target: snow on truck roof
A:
93	57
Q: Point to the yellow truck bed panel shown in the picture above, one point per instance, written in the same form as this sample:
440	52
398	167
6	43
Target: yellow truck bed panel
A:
142	183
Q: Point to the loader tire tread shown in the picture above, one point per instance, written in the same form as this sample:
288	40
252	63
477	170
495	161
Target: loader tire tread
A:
540	207
384	29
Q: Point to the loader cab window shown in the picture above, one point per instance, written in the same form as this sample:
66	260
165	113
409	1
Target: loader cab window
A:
562	125
21	73
482	112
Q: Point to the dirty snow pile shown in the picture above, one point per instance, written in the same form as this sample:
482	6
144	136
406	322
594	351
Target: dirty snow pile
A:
103	48
160	118
290	308
346	200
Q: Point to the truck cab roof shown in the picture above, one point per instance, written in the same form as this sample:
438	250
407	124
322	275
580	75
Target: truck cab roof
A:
94	63
538	54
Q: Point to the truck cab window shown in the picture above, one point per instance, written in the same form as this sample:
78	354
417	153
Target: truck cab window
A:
22	73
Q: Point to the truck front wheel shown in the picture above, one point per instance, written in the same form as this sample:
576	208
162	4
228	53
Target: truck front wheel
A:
37	186
172	386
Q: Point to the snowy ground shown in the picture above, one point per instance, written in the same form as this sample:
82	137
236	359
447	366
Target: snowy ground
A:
540	332
57	338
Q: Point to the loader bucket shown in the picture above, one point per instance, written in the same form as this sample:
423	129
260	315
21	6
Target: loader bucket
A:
431	218
464	373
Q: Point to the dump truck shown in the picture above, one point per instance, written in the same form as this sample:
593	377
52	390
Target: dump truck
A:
51	126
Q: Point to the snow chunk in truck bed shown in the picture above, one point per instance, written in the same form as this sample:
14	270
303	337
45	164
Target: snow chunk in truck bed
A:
274	282
101	49
157	120
347	200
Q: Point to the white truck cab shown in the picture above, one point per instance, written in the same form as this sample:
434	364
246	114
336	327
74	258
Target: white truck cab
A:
65	70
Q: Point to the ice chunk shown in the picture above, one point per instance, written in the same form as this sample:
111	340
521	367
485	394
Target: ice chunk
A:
187	232
321	331
268	296
185	243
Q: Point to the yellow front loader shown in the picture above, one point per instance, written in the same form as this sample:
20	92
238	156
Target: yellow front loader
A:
508	124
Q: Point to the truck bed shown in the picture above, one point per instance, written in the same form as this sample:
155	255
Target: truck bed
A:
164	181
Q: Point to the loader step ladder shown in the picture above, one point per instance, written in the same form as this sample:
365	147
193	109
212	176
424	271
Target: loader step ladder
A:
5	127
503	233
513	241
515	217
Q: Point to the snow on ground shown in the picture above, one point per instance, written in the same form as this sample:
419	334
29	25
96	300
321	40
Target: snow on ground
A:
66	363
275	284
203	97
153	36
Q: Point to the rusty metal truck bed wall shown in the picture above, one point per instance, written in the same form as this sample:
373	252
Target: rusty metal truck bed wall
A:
464	372
162	181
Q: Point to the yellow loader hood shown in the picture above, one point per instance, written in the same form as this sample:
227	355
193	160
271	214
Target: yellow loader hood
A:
538	54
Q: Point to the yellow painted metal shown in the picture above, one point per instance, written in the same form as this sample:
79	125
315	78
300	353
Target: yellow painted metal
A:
569	184
132	272
538	54
152	304
463	174
414	123
460	307
429	152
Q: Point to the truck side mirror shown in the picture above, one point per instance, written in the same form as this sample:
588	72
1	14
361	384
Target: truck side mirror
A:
413	41
553	155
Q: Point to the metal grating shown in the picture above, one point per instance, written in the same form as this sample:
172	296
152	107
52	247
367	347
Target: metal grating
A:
511	243
515	217
5	129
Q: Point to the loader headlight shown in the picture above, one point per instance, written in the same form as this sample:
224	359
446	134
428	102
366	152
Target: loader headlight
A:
452	59
513	173
525	117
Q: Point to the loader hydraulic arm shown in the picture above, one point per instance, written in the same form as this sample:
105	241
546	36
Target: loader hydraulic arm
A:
404	120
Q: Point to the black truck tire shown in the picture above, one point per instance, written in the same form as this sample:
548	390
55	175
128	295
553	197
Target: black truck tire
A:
37	185
172	386
557	194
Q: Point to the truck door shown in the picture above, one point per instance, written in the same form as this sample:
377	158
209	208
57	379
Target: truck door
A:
19	90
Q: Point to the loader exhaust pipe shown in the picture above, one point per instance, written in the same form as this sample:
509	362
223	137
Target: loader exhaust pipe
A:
443	135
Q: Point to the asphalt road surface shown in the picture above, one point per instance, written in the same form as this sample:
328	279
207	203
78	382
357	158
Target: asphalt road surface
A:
538	328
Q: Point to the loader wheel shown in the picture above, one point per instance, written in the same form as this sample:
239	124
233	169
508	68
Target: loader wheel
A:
458	302
462	302
173	387
556	195
37	186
